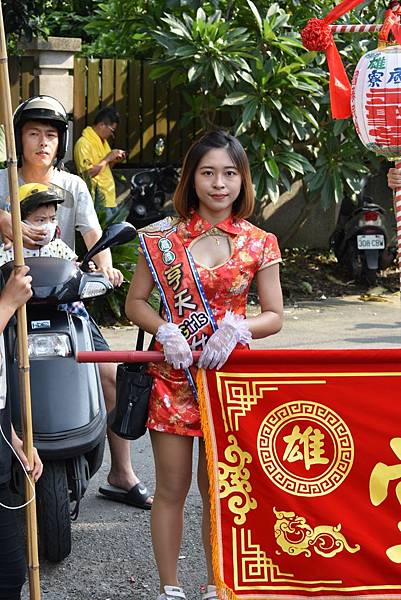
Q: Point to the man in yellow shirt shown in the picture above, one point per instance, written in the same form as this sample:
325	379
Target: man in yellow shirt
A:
94	158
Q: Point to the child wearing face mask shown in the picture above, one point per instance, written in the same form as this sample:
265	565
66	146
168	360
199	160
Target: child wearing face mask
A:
38	203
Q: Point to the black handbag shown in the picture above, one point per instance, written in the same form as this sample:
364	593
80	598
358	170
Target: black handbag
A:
128	419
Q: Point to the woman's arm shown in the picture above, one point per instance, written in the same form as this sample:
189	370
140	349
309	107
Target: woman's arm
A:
234	329
136	306
270	319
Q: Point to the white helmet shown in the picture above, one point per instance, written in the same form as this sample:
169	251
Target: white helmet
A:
42	108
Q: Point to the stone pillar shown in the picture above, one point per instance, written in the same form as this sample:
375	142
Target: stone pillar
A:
54	70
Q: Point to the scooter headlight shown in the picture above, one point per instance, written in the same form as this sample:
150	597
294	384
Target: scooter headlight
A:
46	345
92	289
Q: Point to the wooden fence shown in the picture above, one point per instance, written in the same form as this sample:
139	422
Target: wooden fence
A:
148	110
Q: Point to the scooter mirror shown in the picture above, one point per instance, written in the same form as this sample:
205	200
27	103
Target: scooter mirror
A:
115	234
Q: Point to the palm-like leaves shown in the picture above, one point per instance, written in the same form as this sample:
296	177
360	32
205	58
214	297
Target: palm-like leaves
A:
273	91
205	48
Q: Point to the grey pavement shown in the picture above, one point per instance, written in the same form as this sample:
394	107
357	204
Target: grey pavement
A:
340	323
111	556
347	322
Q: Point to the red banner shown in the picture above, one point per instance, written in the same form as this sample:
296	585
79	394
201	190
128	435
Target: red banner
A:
304	458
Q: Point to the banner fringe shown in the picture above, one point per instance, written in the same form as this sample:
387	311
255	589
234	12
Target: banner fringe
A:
223	591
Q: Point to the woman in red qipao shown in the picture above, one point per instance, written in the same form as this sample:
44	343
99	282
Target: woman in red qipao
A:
213	198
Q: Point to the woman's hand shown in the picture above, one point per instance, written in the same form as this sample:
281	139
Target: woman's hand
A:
17	290
233	329
394	178
175	347
37	467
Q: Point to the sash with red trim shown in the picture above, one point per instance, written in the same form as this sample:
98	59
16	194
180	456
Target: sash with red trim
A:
174	272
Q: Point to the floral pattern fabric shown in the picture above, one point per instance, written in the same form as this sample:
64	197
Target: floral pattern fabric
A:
56	249
172	406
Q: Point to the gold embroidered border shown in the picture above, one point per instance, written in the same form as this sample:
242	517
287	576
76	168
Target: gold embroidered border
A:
256	569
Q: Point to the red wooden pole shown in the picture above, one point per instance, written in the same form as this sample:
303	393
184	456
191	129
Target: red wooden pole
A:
123	356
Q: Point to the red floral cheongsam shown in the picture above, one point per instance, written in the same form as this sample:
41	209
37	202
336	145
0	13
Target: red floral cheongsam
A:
172	406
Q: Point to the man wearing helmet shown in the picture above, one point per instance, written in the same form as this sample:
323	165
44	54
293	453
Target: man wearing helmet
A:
41	137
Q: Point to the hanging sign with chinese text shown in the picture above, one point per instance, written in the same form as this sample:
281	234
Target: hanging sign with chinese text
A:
376	101
304	458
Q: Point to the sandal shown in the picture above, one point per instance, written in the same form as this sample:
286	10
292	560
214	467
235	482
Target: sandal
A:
209	593
136	496
172	592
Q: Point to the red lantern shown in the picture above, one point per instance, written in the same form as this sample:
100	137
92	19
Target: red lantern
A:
376	110
376	101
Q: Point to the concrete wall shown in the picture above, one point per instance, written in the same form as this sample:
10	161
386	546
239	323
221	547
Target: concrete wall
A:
314	230
297	224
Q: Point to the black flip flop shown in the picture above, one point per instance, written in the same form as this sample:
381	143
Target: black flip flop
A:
136	496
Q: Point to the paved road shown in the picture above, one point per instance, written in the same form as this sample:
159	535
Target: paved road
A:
112	557
340	323
332	323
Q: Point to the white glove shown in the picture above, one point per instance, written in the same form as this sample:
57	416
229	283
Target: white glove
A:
233	329
175	347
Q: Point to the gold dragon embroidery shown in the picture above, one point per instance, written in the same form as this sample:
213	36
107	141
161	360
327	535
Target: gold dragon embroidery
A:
295	536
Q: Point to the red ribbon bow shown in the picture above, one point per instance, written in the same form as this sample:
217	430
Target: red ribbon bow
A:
317	36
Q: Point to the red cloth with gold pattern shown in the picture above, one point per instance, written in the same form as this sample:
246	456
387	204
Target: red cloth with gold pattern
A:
172	406
303	452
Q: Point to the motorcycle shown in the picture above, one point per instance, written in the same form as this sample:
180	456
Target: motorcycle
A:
363	241
149	191
68	411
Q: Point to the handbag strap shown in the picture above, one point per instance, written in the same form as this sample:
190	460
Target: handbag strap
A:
140	338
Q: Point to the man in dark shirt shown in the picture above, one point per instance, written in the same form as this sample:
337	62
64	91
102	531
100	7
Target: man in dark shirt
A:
14	294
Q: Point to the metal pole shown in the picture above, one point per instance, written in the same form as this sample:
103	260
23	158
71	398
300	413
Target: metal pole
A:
23	356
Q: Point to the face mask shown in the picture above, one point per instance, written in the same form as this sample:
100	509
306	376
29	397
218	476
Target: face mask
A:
50	230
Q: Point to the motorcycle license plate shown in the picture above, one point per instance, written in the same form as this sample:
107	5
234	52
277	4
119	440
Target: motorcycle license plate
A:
370	242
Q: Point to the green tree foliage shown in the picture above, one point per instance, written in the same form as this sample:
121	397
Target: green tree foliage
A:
241	63
118	28
252	69
68	17
24	19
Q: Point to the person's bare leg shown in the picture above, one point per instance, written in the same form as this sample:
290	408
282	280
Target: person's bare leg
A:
203	484
173	462
121	473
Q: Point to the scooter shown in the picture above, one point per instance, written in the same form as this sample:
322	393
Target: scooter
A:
68	410
148	193
362	240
